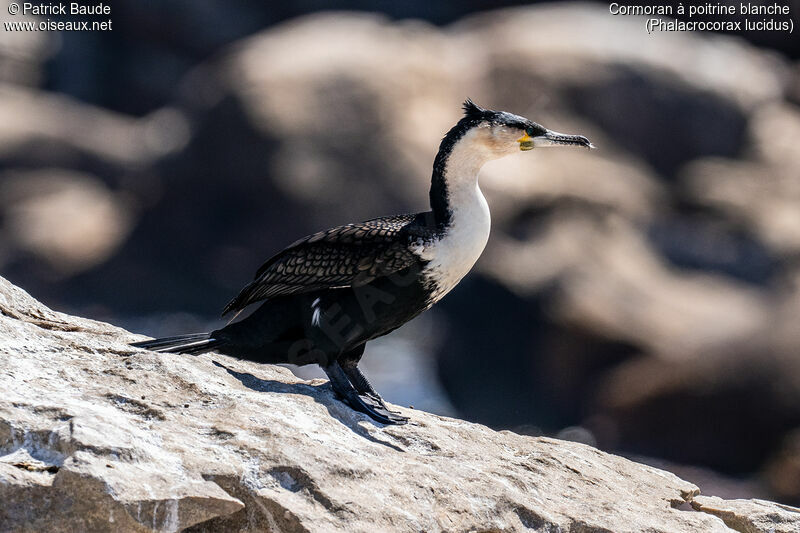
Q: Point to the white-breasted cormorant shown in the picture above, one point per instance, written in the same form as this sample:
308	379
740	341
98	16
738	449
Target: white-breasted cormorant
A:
329	293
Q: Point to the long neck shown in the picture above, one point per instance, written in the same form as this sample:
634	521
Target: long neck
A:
455	175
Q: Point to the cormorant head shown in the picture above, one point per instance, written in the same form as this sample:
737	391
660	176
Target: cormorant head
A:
501	133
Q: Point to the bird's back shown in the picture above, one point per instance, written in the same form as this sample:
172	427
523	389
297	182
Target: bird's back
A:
343	256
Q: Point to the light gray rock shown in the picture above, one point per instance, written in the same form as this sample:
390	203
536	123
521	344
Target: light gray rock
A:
751	516
30	117
98	436
23	53
70	219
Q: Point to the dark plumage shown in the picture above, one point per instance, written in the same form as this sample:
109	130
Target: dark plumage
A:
345	256
328	294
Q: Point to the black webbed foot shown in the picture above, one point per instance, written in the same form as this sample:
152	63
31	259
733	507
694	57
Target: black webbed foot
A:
364	387
368	402
375	408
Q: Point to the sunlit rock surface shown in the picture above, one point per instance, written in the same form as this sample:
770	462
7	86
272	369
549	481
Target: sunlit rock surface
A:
98	436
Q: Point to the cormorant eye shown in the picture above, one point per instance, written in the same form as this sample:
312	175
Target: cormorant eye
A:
530	132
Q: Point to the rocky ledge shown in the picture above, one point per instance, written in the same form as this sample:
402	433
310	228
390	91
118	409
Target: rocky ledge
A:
98	436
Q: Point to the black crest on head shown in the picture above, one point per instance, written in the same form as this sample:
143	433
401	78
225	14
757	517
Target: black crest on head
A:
473	110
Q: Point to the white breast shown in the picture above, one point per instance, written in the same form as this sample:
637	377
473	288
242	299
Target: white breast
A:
453	254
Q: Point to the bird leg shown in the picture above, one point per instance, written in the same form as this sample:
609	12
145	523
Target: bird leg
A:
359	380
349	363
365	402
362	384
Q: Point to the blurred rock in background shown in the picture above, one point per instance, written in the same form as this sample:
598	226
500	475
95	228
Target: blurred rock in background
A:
643	297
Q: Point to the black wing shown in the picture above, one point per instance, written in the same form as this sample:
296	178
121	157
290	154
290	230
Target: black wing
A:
344	256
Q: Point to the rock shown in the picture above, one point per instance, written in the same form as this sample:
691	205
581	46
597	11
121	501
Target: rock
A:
23	53
135	68
783	469
98	436
751	516
69	219
73	177
761	192
44	129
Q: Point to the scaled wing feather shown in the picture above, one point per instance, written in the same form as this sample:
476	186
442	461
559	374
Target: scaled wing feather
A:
344	256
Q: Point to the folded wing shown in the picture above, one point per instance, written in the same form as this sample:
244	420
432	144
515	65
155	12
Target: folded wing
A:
345	256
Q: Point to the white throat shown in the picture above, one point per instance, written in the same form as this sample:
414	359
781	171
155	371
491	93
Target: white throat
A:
456	251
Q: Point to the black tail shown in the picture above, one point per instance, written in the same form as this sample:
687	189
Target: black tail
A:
193	344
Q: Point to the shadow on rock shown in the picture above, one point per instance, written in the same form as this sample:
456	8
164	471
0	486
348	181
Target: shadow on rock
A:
322	394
